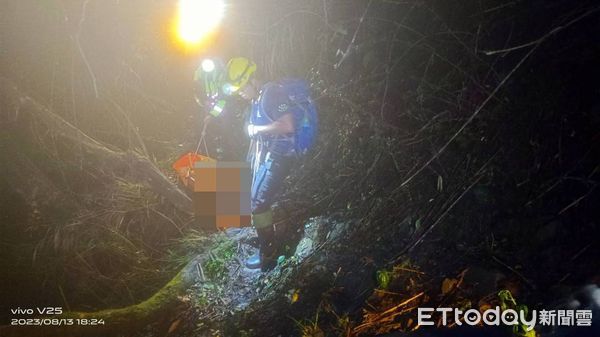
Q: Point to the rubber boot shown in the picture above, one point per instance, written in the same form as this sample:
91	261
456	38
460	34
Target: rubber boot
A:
253	261
282	237
265	259
268	259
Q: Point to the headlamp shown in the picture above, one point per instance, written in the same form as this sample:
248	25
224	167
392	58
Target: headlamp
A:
208	65
229	89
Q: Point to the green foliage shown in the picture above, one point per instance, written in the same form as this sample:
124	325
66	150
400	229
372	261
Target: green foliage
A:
214	269
222	252
507	301
384	277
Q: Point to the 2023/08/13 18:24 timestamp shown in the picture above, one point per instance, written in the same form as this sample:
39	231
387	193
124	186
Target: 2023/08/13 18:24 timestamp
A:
56	321
49	321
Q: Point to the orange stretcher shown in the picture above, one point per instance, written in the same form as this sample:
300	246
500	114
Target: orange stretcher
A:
184	166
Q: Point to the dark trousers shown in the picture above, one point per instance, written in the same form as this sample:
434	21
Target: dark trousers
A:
268	180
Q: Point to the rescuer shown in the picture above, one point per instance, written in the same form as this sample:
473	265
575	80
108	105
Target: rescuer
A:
282	126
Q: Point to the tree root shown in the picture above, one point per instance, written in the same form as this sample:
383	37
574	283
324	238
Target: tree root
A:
114	322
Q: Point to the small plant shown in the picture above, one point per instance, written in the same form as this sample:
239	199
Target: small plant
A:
383	279
224	250
507	301
215	269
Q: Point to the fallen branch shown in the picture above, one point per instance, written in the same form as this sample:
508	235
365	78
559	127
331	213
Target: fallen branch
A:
141	167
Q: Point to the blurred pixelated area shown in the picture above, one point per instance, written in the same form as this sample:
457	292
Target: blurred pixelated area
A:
221	194
220	190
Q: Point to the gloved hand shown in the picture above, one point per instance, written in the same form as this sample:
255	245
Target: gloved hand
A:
252	130
217	108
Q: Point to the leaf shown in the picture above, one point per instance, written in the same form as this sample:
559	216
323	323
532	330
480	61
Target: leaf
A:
174	326
448	285
417	224
280	260
506	299
383	278
294	295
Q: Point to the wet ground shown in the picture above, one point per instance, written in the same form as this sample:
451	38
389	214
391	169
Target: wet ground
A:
214	298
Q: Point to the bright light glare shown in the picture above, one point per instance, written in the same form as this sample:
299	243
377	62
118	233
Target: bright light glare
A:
198	18
208	65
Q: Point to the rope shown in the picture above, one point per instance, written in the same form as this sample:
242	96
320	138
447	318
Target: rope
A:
203	141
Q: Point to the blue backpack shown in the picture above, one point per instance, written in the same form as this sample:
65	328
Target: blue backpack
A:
305	113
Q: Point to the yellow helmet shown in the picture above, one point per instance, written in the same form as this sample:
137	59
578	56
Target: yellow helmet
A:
239	70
